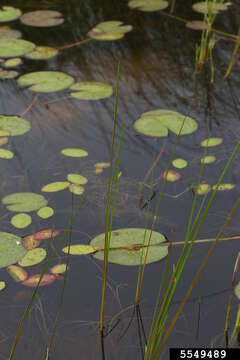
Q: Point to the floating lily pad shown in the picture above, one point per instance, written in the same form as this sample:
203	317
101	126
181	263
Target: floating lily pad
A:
15	47
29	243
11	63
148	5
3	140
32	281
13	125
91	90
102	165
156	123
42	18
79	249
76	189
7	33
11	249
109	30
46	234
98	170
58	269
2	285
55	186
46	81
74	152
203	189
171	175
208	159
24	202
224	187
8	74
179	163
6	154
77	179
205	7
126	246
17	273
197	25
21	221
9	13
42	53
33	257
45	212
212	141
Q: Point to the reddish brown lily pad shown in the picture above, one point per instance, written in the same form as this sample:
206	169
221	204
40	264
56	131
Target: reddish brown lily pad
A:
46	234
32	281
197	25
42	18
30	243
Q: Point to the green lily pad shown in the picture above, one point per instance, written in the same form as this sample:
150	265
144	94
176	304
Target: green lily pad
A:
11	63
212	141
77	179
74	152
42	53
203	189
42	18
46	81
13	125
205	7
156	123
148	5
45	212
58	269
6	154
7	33
76	189
179	163
15	47
9	13
8	74
24	202
79	249
109	30
126	246
208	159
55	186
21	221
33	257
224	187
17	273
11	249
2	285
91	90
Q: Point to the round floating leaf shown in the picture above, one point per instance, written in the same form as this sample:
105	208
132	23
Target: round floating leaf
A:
179	163
2	285
8	74
17	273
171	175
77	179
237	290
7	33
224	187
212	141
46	81
24	202
208	159
9	13
6	154
127	246
91	90
80	249
3	140
33	257
46	234
74	152
29	243
151	126
13	125
11	63
98	170
205	7
55	186
11	249
102	165
32	281
197	25
203	189
42	53
45	212
76	189
148	5
109	30
42	18
58	269
15	47
21	221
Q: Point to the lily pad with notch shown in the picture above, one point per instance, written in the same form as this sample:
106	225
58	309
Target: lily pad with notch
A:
42	53
11	48
207	7
148	5
109	30
11	249
91	90
24	202
42	18
13	125
9	13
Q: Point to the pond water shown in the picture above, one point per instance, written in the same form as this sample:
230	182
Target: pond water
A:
157	63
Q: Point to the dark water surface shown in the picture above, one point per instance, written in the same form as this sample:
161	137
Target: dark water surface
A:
157	71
